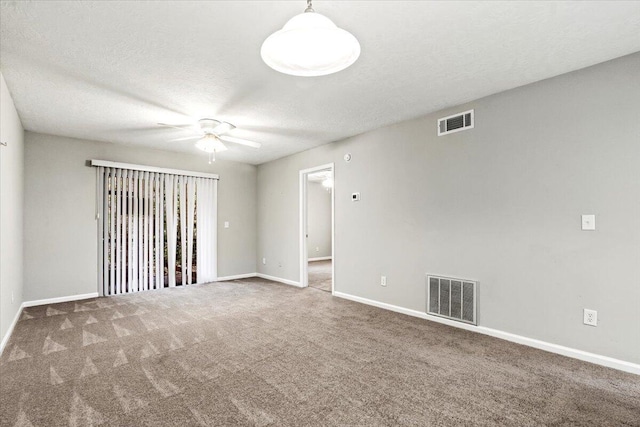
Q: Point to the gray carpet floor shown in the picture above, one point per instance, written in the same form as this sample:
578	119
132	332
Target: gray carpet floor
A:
320	275
252	352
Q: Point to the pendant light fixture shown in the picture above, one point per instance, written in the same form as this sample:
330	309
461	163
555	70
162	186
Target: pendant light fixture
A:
310	44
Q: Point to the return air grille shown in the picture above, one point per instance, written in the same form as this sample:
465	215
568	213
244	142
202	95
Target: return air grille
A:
452	298
455	123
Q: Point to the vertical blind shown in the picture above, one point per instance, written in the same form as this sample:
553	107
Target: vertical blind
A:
142	217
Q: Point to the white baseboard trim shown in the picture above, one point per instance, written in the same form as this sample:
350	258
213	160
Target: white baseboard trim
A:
609	362
236	277
59	299
322	258
5	339
278	279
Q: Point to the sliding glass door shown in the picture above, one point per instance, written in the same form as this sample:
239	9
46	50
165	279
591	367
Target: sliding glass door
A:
156	230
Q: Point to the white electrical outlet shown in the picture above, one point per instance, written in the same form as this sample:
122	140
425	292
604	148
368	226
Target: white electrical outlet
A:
264	261
590	317
226	224
317	249
383	280
12	297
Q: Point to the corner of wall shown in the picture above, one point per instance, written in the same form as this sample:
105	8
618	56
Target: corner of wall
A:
11	214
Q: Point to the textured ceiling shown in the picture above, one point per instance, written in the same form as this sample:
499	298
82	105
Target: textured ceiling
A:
109	71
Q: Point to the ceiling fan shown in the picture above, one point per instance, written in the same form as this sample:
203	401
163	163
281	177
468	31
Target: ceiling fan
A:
210	134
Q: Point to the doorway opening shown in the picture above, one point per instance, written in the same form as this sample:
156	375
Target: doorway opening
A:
317	255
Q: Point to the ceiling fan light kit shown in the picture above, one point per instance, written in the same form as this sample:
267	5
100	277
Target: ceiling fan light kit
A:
310	44
211	144
210	136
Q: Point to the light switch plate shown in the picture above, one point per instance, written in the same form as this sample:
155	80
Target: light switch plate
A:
589	222
226	224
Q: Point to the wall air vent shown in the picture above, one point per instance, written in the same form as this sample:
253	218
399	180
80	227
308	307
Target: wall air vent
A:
455	123
452	298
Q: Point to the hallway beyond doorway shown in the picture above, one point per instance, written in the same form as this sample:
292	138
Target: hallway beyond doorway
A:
320	275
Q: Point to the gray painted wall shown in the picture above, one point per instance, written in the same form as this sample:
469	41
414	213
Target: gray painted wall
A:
60	225
318	220
11	209
500	203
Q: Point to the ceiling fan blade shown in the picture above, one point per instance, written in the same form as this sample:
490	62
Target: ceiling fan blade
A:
241	141
223	128
186	138
181	127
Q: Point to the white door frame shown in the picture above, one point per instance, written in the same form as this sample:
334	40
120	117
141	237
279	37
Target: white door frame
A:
304	273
